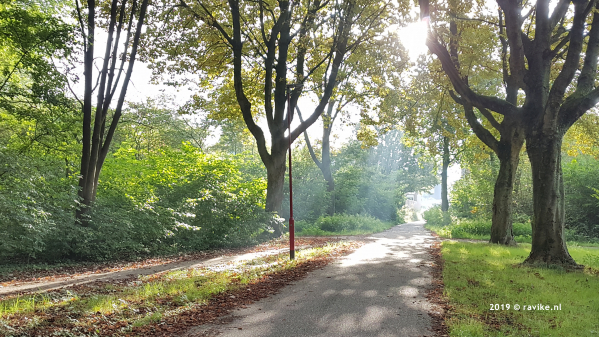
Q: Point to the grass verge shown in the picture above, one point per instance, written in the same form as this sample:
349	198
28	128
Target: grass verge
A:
477	276
145	305
478	229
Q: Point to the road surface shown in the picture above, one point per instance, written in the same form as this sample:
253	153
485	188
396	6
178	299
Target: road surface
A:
379	290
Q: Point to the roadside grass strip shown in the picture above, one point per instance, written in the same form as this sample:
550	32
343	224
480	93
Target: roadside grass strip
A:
481	280
116	308
481	230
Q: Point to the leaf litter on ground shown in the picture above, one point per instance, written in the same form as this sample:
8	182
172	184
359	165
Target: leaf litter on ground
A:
12	275
161	304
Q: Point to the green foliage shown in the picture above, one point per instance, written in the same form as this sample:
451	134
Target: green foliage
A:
172	200
472	195
341	224
581	179
434	216
362	190
151	125
479	228
36	199
184	200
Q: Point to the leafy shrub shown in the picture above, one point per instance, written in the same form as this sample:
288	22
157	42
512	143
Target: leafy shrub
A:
35	200
481	229
341	224
470	228
169	201
434	216
472	195
197	201
581	178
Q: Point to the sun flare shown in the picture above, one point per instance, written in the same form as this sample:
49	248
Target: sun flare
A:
413	38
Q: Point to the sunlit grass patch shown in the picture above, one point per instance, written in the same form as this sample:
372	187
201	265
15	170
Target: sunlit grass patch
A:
20	304
152	317
477	275
147	300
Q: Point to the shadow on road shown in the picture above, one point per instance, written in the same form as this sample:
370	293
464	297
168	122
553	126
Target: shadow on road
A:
379	290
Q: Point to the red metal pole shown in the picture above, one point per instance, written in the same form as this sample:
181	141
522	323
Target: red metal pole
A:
291	220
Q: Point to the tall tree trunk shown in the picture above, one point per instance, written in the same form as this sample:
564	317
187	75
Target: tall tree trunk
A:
508	153
275	179
548	244
325	164
444	197
96	142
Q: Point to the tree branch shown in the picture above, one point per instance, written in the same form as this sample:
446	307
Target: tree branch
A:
513	23
344	30
119	107
127	40
212	22
586	95
486	102
555	51
80	19
310	149
556	94
244	103
481	132
558	13
588	73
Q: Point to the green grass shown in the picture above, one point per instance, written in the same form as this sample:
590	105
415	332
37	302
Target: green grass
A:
342	224
477	275
151	297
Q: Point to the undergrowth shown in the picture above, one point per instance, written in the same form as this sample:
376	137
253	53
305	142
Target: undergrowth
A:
342	224
480	229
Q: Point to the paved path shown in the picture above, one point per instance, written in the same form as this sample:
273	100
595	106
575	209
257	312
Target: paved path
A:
379	290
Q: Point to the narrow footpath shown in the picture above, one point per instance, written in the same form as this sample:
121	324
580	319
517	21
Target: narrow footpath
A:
379	290
221	262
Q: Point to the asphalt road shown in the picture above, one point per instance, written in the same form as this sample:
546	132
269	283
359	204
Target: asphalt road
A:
379	290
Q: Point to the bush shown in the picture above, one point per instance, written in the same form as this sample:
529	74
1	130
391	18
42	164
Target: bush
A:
170	201
581	178
472	195
470	228
197	201
435	217
481	229
36	199
341	224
